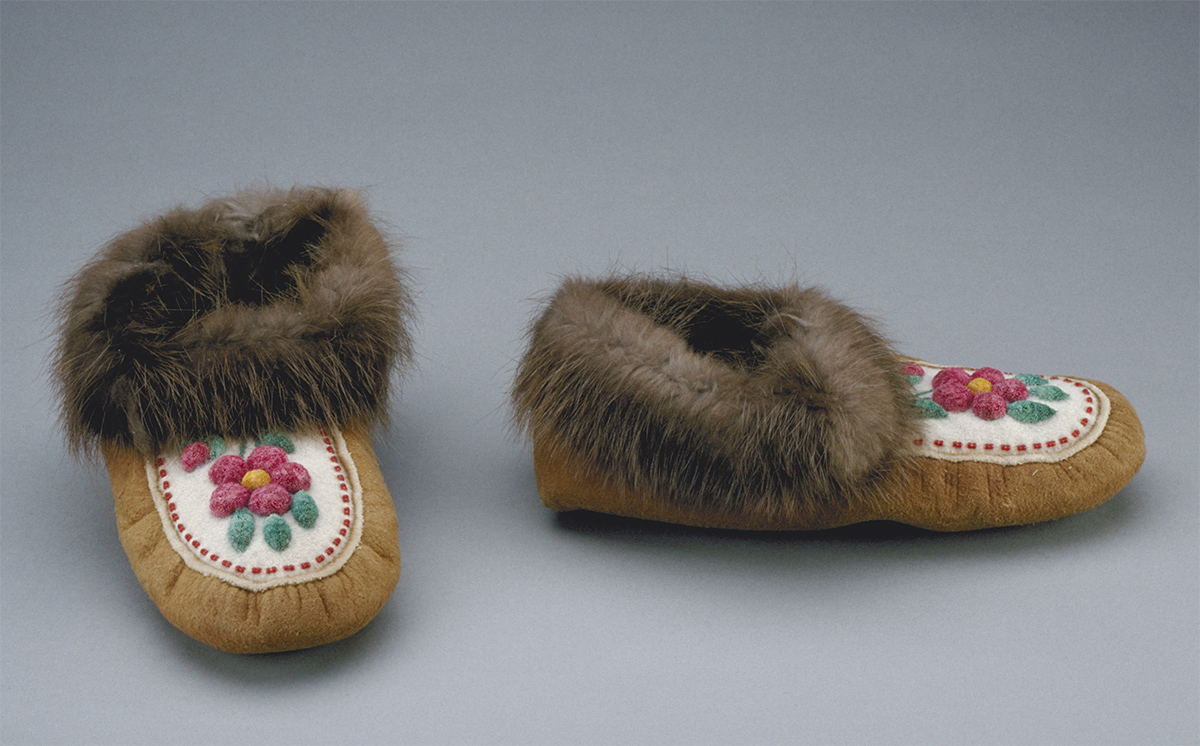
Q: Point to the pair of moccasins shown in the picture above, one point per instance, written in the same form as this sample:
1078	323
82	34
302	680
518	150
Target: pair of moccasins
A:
229	363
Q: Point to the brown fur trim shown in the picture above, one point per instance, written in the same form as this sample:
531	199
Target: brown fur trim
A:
765	400
274	310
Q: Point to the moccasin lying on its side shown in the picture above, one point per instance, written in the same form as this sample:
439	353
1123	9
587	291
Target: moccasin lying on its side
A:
782	409
229	363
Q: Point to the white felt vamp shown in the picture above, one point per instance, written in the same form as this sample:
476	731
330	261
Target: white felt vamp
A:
202	538
1077	421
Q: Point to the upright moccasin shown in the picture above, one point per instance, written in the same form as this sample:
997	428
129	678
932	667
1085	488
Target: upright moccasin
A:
781	408
229	363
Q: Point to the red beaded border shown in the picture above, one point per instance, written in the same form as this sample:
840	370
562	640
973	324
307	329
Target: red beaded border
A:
962	447
228	564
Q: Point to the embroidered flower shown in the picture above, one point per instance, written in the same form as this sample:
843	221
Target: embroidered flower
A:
200	452
987	393
264	483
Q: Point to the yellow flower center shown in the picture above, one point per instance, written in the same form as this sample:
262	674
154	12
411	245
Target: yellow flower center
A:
979	386
256	478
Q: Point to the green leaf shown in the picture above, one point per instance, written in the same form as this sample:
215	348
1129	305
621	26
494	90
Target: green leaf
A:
276	439
1049	393
277	533
1030	379
241	529
914	380
304	509
930	409
1029	411
216	445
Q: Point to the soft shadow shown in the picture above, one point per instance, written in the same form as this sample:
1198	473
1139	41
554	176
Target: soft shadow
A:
585	522
860	540
296	665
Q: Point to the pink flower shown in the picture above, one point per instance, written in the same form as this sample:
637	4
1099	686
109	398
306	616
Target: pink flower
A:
986	392
989	406
227	498
264	482
194	455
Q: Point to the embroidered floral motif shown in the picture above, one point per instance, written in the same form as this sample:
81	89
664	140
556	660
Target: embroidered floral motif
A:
322	525
987	393
265	483
1029	430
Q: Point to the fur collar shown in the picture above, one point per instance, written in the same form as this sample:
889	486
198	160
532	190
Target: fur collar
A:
769	400
273	310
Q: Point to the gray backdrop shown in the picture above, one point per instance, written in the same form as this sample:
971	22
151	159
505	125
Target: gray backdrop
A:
1004	184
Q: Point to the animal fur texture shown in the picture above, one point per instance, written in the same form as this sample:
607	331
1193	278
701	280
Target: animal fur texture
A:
766	400
271	310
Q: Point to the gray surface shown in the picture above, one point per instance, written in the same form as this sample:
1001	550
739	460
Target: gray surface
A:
1012	185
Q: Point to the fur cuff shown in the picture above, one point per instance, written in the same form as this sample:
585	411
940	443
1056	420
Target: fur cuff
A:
747	399
275	310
